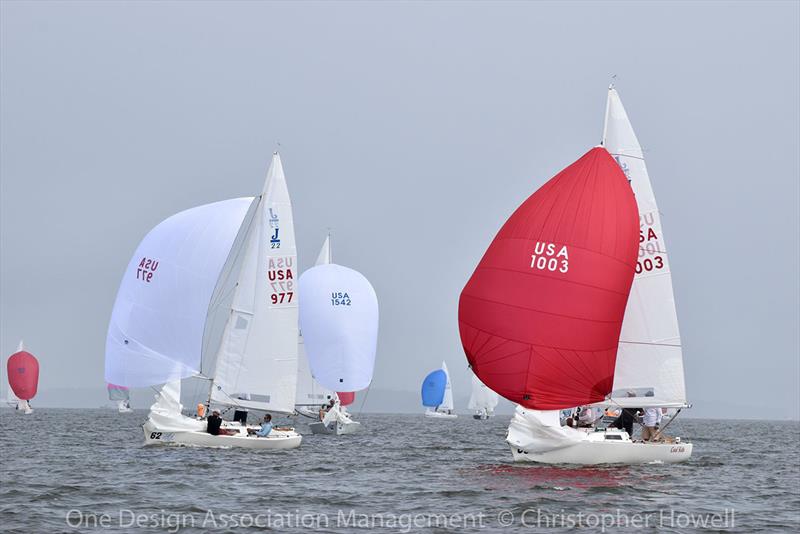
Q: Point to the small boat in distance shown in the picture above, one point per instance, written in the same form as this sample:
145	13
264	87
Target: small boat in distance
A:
339	321
437	394
482	400
23	379
122	396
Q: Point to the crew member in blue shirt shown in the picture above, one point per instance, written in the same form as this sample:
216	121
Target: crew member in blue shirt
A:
266	427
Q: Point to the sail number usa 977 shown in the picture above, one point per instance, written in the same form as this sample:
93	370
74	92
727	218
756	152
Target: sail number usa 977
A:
281	280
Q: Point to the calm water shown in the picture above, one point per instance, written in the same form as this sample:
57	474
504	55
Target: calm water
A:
403	472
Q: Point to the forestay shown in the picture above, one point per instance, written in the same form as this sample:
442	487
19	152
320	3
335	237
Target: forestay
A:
156	329
257	359
649	361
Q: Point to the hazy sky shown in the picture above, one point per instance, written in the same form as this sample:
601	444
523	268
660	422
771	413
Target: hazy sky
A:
413	130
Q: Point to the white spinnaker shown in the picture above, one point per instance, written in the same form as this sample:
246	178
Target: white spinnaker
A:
649	358
447	402
339	320
482	398
309	391
257	360
156	330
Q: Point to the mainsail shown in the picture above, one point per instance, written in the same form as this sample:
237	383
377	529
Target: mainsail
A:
447	403
541	315
649	362
256	365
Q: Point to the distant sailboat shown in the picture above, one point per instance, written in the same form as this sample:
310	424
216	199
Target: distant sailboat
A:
437	394
23	379
174	284
339	321
122	396
483	400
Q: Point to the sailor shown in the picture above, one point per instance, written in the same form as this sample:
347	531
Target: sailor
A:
650	420
214	423
627	417
266	427
325	409
585	417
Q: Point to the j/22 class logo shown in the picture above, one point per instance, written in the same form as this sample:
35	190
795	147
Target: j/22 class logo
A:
274	223
550	257
340	299
147	267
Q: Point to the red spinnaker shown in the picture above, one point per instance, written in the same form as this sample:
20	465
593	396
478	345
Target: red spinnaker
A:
541	315
23	374
346	398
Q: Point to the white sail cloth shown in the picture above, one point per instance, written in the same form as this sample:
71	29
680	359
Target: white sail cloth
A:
447	404
482	398
649	360
156	329
540	431
257	359
339	321
309	391
165	413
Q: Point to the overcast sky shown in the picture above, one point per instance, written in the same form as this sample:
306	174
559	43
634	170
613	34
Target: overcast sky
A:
413	130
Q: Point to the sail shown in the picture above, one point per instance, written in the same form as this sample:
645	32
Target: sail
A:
309	391
256	364
649	361
482	398
324	256
447	402
118	393
346	398
433	388
156	329
339	321
23	374
540	317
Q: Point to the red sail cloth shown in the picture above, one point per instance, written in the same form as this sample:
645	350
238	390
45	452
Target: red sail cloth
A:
23	374
346	398
541	315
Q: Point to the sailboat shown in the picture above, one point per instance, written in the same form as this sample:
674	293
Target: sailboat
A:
437	394
482	400
541	317
122	396
23	379
339	321
178	283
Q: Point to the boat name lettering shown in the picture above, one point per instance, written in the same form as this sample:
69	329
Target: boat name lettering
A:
340	298
677	449
550	257
146	269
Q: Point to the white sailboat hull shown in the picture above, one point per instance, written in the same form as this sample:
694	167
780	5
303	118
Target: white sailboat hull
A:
482	416
336	428
597	449
276	440
441	415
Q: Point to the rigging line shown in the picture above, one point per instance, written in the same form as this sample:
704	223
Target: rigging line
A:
361	408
